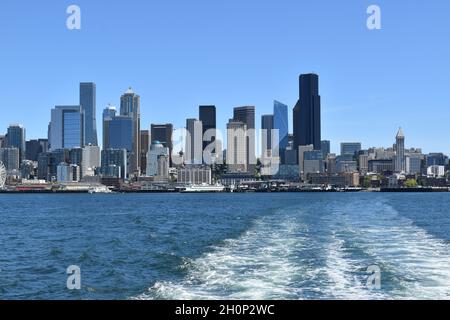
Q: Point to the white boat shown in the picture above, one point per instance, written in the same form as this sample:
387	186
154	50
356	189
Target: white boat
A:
99	189
205	188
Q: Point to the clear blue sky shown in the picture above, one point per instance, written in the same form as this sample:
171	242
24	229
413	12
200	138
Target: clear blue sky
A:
178	54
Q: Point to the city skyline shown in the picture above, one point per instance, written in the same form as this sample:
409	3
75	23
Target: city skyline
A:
111	112
179	65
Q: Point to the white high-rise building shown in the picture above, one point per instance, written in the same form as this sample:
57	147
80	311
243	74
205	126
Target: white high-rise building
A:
90	160
194	142
156	150
237	157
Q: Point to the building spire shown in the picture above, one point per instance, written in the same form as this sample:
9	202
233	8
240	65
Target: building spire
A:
400	134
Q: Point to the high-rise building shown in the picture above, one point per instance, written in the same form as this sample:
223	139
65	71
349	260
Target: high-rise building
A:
90	161
301	157
113	159
325	148
108	113
15	138
414	163
76	157
246	115
281	123
33	149
267	126
312	162
194	142
307	113
350	149
63	173
67	127
120	133
237	143
163	134
10	158
400	159
207	115
145	145
130	106
157	149
88	105
436	159
2	141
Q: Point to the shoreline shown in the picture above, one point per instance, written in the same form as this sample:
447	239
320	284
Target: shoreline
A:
382	190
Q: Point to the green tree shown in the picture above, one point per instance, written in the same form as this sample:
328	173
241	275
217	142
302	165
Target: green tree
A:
411	183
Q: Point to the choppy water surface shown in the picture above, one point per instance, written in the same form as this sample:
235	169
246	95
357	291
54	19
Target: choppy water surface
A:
225	246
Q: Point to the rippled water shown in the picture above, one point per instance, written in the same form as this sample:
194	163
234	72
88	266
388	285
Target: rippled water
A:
225	246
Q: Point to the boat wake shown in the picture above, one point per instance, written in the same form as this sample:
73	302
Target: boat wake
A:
301	253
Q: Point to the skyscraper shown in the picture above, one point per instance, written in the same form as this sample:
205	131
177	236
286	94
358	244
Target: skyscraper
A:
280	123
10	158
350	149
163	134
67	127
400	159
194	142
156	150
15	138
207	115
237	153
88	104
130	106
145	145
246	115
33	149
325	148
307	121
120	133
90	160
267	125
108	113
112	159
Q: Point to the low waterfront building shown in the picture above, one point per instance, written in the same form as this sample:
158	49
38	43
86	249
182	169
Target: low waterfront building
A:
194	175
288	172
381	166
336	180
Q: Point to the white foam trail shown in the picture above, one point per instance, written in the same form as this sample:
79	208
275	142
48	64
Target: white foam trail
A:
261	264
417	264
282	257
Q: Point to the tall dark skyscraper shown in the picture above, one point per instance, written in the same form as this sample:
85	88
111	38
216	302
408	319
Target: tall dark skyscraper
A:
15	138
130	106
88	103
267	124
207	115
108	113
145	145
307	122
246	115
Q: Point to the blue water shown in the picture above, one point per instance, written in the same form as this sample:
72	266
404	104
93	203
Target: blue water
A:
225	246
